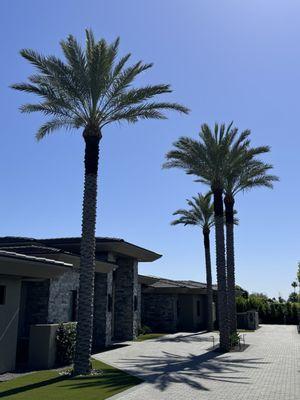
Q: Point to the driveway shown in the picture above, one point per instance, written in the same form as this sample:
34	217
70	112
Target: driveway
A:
182	366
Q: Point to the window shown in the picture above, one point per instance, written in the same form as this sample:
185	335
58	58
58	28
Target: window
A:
2	294
135	303
198	308
73	305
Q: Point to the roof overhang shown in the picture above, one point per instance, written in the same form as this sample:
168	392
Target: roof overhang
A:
117	246
128	250
74	260
31	268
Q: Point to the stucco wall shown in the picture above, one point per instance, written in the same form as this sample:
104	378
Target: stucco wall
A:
9	316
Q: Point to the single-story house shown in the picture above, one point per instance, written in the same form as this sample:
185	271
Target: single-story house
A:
171	305
39	281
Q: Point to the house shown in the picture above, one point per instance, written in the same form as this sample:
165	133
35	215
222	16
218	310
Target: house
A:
39	281
170	305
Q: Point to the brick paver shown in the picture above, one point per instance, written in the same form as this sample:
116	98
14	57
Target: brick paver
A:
181	367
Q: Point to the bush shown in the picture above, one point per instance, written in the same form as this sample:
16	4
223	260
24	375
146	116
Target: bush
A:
144	330
65	343
270	311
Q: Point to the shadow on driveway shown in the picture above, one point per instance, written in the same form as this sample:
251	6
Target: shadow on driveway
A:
192	370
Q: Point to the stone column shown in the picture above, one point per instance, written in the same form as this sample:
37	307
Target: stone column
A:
126	300
102	310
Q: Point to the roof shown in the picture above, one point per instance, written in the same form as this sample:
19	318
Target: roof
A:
72	245
32	249
10	254
158	283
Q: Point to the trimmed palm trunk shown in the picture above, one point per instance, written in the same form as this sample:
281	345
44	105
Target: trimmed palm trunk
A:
221	270
87	254
229	212
209	292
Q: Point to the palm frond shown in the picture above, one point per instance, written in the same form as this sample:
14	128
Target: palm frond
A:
200	212
92	86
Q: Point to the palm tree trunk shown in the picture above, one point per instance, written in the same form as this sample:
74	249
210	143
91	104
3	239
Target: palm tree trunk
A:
229	212
87	255
209	291
221	270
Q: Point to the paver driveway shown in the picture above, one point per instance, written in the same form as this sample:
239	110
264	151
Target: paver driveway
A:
180	367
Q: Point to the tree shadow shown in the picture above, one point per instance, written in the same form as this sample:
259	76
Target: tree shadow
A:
188	338
111	380
193	370
31	386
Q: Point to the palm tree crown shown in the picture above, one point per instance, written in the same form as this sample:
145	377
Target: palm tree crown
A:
208	158
91	89
201	212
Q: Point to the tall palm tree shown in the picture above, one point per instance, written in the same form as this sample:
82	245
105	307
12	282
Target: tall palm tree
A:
90	90
294	284
209	159
201	213
245	174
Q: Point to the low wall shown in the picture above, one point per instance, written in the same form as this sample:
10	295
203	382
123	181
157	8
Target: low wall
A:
42	346
248	320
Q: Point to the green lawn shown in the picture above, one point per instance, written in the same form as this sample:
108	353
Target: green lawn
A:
149	336
49	385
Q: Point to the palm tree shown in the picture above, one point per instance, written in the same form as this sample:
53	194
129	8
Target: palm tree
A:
294	284
90	90
201	213
245	174
209	159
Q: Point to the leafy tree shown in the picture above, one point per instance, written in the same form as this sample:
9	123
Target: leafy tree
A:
293	297
89	90
201	213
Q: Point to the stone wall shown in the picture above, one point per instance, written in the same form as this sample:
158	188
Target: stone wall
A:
126	300
34	304
102	310
60	296
159	311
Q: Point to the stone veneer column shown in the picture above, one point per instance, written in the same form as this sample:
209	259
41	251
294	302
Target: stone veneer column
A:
60	292
102	310
126	300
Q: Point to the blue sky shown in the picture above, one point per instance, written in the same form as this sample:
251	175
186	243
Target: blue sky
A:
226	60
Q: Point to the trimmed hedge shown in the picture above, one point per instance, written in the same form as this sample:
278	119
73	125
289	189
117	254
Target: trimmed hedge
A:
270	311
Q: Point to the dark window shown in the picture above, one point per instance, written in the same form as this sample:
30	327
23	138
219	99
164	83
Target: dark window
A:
2	294
109	303
73	305
198	308
135	303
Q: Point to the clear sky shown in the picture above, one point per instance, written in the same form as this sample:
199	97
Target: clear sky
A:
226	60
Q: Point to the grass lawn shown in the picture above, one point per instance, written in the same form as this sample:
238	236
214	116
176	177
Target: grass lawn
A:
49	385
149	336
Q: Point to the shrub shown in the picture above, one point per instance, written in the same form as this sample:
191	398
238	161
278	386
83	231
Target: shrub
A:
270	311
65	343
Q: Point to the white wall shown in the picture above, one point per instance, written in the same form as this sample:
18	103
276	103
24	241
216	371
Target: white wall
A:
9	317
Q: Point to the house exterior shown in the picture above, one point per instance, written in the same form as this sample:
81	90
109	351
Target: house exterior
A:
39	280
171	306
